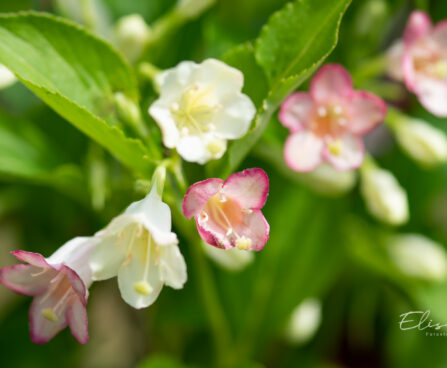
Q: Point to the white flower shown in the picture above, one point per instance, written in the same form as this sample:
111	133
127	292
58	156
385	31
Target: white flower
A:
139	247
192	8
131	36
7	78
418	256
384	197
304	322
233	259
424	143
201	107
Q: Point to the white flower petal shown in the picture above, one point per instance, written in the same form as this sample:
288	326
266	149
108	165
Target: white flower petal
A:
193	149
172	267
7	78
107	257
163	117
132	273
235	118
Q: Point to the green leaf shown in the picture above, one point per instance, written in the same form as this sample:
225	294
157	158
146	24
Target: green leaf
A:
27	155
76	74
295	41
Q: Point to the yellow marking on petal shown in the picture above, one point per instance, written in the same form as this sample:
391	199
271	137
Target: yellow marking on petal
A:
441	69
142	288
49	314
335	147
215	147
243	243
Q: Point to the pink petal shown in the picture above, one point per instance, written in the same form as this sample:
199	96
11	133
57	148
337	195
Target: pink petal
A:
418	25
332	82
41	329
351	154
34	259
256	228
439	34
213	235
394	60
295	110
410	76
20	279
367	111
76	283
198	194
432	94
249	188
302	151
76	316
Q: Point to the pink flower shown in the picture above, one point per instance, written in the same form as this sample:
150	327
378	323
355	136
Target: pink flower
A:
59	287
328	122
228	214
421	61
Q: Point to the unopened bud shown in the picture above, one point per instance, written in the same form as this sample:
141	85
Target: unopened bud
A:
132	34
193	8
418	256
326	180
7	78
385	198
304	322
422	142
232	259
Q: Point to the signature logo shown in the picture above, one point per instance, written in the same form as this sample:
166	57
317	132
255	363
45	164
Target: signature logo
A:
420	320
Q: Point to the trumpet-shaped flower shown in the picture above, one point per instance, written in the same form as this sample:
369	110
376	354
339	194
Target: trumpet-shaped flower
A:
420	60
327	124
139	247
59	286
201	107
228	214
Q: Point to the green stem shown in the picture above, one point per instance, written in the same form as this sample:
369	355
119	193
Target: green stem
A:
370	69
148	71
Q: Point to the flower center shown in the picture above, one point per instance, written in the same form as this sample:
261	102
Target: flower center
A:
195	110
227	215
60	289
329	120
429	60
142	239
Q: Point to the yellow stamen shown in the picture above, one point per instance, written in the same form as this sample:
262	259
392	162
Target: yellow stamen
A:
142	287
441	69
335	147
243	243
49	314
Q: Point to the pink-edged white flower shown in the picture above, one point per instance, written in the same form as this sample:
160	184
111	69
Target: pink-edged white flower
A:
139	247
327	124
201	107
228	214
59	286
420	60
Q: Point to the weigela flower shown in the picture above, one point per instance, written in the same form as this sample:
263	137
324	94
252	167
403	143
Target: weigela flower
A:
327	124
140	248
59	286
420	60
228	214
201	107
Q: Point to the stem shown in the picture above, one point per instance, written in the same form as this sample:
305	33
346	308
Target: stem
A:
370	69
207	288
148	71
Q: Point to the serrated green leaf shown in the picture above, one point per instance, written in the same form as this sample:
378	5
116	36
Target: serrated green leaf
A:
295	41
76	74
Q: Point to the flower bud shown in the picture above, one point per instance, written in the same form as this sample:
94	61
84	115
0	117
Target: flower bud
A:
304	322
233	259
422	142
385	198
326	180
193	8
131	35
7	78
417	256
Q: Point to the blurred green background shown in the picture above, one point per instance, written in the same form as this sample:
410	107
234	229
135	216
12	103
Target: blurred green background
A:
60	185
